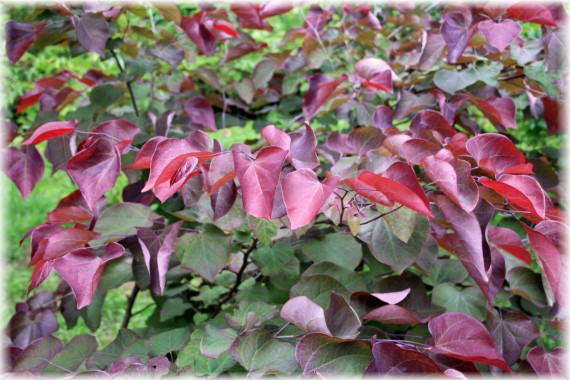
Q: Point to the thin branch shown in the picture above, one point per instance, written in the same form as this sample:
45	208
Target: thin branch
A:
128	83
130	304
382	215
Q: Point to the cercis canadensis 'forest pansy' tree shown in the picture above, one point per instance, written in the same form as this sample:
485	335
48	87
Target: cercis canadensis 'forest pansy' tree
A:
380	218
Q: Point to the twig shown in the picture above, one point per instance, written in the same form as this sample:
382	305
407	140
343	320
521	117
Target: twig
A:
130	304
237	283
128	83
382	215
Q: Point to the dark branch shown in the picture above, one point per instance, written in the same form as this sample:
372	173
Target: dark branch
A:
382	215
130	304
128	83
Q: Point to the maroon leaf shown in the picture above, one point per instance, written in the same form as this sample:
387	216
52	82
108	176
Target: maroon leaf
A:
200	112
456	31
304	149
305	314
199	34
61	243
221	171
50	130
551	115
27	326
547	363
304	195
121	132
24	167
157	247
368	192
497	154
364	139
249	16
341	319
321	87
432	121
400	359
500	111
19	38
277	137
226	27
394	314
144	156
82	270
95	170
432	47
415	150
258	179
376	74
41	272
535	12
223	200
185	171
454	179
92	32
383	116
500	34
508	240
512	333
522	190
461	336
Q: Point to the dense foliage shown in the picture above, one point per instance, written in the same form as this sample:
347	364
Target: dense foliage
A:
368	195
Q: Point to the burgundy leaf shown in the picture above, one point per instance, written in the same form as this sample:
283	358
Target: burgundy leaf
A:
522	190
548	363
337	142
226	27
415	150
463	337
162	123
410	103
62	242
305	314
551	115
383	116
221	171
185	172
41	272
95	170
304	149
500	111
72	209
200	112
19	38
535	12
399	359
364	139
454	179
321	87
50	130
304	195
394	314
341	318
82	270
92	32
26	327
456	31
121	132
512	333
432	121
249	16
24	167
223	200
509	240
432	47
144	156
275	136
376	74
368	192
258	179
500	34
157	247
199	34
497	154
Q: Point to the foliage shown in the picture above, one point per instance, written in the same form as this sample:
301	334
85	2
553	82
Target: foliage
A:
377	217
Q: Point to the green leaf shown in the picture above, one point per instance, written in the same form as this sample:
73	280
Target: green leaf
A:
318	289
205	253
401	222
338	248
93	313
249	314
469	300
168	341
527	284
261	355
126	343
173	307
351	280
122	219
210	295
245	89
190	356
453	81
446	270
263	72
328	356
279	263
216	341
536	71
38	354
75	353
489	73
264	230
105	95
139	67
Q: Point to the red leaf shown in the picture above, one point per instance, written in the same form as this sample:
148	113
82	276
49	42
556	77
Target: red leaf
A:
522	190
249	16
375	73
50	130
548	363
226	27
454	179
200	112
185	171
508	240
434	122
399	359
258	179
73	209
144	156
511	333
415	150
157	247
461	336
304	195
120	131
364	139
40	274
275	136
535	12
321	88
24	167
368	192
95	170
500	34
500	111
497	154
199	34
551	115
61	243
221	171
304	149
82	270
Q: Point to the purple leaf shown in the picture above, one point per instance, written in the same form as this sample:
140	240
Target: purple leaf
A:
82	270
24	167
431	121
144	156
321	87
522	190
509	240
392	298
220	172
376	74
364	139
511	333
415	150
185	171
223	200
410	103
72	209
121	132
304	149
26	327
200	112
497	154
50	130
92	32
277	137
199	34
258	179
61	243
548	363
383	116
341	319
394	314
19	38
535	12
38	355
95	170
304	195
500	34
400	359
432	47
306	315
499	111
456	31
157	249
461	336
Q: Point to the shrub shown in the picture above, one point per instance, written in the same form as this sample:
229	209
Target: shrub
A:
311	190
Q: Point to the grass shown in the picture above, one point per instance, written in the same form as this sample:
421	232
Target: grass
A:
21	215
